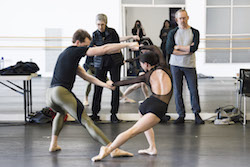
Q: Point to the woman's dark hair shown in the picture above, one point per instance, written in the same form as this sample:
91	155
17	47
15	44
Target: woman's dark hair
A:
165	22
137	21
150	58
80	35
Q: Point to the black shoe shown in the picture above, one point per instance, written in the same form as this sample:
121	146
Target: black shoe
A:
95	117
165	119
114	119
198	119
180	120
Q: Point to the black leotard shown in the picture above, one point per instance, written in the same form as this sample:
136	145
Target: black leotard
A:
156	104
146	77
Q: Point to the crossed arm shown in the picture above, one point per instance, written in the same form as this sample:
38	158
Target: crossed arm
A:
182	50
172	48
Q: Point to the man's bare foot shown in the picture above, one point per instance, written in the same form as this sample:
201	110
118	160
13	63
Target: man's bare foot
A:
120	153
54	148
102	154
148	151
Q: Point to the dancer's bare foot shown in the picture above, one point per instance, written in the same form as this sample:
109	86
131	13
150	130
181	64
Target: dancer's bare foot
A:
120	153
127	100
148	151
86	103
102	154
54	148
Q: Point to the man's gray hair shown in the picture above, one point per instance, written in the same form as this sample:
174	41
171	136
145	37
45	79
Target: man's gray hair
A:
180	10
102	17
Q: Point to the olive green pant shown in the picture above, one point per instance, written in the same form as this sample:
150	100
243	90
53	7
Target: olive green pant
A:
63	101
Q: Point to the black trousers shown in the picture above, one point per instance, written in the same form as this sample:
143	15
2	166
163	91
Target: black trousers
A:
101	74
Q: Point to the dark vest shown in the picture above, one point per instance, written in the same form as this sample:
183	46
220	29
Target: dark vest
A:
98	40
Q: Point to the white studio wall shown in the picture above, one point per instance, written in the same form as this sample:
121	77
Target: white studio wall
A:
197	18
29	18
152	19
40	18
196	11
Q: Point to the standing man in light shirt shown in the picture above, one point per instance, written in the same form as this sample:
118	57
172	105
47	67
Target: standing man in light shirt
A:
182	42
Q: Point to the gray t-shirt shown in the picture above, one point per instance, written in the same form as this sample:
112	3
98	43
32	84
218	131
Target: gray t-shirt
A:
183	37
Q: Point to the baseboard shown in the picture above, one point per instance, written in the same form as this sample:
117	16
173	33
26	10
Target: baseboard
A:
174	116
12	117
106	117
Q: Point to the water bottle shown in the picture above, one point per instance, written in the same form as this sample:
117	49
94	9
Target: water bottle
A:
2	63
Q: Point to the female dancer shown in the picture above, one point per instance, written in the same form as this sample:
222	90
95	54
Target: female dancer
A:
158	77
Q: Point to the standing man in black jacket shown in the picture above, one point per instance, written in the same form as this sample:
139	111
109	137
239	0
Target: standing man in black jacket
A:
103	64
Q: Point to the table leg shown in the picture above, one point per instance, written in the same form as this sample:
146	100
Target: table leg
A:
25	101
30	91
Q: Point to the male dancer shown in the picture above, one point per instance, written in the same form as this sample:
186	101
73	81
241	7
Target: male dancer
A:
61	99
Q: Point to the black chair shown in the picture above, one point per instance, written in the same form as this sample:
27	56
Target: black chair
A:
244	91
146	41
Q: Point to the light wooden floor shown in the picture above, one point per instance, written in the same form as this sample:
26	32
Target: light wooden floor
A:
186	145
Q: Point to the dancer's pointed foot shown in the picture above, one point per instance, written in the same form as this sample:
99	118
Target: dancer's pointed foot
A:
120	153
127	100
102	154
86	103
148	151
54	148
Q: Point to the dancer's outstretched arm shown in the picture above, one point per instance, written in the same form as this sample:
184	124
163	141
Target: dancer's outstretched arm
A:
130	81
84	75
134	37
111	48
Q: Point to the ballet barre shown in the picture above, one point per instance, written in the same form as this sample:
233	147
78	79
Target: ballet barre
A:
26	90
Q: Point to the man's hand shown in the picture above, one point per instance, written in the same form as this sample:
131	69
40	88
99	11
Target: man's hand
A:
136	38
176	47
134	46
110	85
